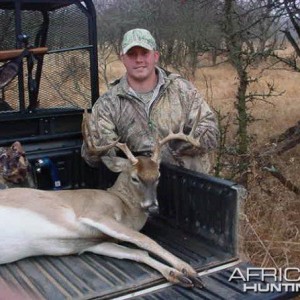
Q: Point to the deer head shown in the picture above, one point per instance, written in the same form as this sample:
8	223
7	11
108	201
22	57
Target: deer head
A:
138	175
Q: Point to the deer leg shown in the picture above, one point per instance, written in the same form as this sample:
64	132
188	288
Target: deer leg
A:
120	232
122	252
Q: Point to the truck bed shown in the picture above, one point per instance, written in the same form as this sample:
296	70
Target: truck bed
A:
90	276
198	222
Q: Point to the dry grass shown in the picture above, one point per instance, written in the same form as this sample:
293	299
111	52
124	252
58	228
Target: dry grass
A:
219	85
271	213
270	223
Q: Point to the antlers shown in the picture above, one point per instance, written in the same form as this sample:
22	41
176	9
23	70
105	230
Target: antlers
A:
88	136
180	135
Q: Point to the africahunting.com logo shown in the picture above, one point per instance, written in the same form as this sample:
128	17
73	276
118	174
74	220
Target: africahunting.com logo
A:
265	280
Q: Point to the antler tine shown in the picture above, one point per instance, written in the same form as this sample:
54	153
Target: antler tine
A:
180	135
196	122
87	135
127	152
85	129
155	154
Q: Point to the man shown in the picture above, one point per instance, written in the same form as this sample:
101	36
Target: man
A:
145	102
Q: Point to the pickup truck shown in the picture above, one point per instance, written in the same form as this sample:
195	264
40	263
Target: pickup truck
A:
57	78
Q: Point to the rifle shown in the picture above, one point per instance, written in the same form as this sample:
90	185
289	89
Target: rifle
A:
10	69
11	54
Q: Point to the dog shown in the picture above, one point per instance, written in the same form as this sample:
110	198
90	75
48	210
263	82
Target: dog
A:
15	169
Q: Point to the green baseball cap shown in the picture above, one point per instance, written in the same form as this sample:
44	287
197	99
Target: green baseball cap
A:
138	37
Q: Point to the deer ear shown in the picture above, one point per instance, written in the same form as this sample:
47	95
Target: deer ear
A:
116	164
18	147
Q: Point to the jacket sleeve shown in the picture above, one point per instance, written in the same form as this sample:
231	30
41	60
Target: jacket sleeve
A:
103	130
207	127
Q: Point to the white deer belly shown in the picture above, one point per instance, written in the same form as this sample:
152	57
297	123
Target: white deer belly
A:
24	233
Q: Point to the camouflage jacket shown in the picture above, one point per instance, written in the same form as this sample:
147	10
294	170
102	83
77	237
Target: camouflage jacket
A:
118	113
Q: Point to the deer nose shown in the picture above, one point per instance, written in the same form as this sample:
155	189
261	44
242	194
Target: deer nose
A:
153	210
151	206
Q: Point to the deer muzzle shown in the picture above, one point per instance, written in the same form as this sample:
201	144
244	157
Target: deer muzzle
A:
150	206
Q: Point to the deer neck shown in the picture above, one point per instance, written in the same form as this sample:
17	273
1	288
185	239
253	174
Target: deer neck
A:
124	190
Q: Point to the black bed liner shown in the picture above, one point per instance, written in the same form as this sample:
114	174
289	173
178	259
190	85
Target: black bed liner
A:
91	276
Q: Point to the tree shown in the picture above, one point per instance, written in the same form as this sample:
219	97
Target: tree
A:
183	29
288	11
241	22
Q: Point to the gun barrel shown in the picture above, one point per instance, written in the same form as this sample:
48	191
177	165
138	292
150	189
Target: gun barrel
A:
10	54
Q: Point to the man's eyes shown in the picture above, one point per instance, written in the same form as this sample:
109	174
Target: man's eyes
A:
133	53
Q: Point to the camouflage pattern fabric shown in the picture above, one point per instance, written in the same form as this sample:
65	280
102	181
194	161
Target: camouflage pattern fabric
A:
120	114
138	37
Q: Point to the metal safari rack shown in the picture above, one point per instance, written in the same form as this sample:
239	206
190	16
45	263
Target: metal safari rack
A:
47	47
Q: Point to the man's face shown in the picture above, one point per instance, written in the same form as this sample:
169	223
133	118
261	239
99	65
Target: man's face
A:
140	63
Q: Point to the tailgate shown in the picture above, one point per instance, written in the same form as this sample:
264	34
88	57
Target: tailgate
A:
218	287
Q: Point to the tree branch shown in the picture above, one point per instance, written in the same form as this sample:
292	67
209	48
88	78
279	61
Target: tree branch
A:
286	182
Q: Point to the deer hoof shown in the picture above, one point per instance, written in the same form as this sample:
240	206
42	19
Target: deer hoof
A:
185	282
181	280
197	282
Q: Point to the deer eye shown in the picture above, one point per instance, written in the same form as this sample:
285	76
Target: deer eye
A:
135	180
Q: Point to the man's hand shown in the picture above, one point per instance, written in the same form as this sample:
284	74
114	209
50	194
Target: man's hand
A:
182	148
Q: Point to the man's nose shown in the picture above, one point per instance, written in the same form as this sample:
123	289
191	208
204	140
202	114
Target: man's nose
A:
139	57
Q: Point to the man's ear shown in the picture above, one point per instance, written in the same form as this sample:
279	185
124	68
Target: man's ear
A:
156	56
116	164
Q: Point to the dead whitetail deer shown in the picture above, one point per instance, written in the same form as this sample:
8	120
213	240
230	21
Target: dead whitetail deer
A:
35	222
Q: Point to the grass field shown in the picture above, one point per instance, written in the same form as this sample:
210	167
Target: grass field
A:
271	220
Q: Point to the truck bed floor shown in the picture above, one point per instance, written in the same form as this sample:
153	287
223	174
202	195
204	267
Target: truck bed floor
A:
91	276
